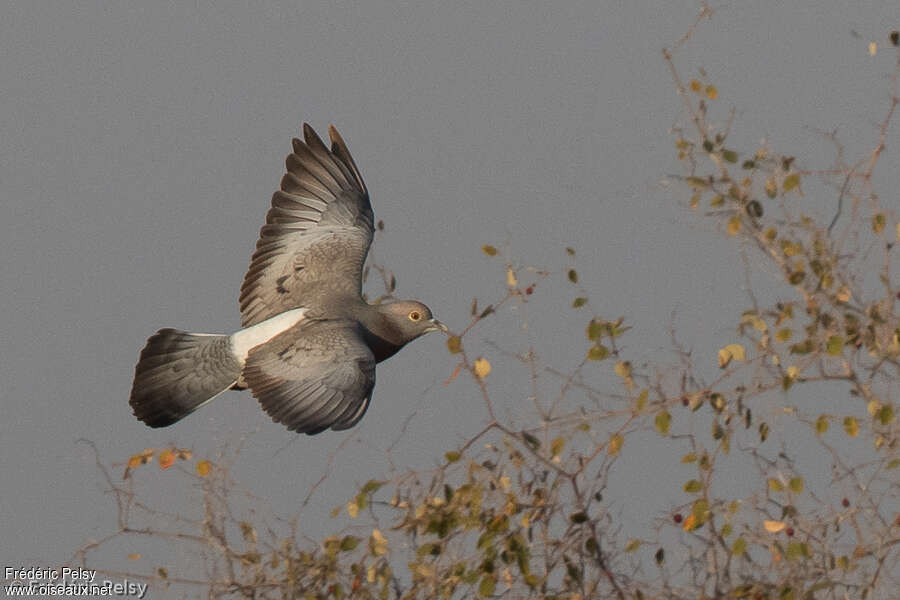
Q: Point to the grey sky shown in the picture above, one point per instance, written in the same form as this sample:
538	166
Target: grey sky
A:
140	143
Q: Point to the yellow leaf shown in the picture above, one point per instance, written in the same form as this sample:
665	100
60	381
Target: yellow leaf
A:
482	368
792	372
696	86
774	526
134	556
203	468
898	231
873	48
843	293
775	485
796	484
623	368
615	444
632	545
166	459
784	335
821	424
505	483
489	250
734	225
739	547
790	182
851	426
736	350
690	523
597	352
379	543
711	92
511	280
352	509
557	445
724	358
878	223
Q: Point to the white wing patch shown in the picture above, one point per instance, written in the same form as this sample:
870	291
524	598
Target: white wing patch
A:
246	339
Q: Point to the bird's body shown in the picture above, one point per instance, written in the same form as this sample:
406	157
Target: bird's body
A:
309	342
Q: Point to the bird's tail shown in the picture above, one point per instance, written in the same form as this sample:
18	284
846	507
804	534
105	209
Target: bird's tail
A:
178	372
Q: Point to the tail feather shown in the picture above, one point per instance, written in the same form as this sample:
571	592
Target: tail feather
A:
178	372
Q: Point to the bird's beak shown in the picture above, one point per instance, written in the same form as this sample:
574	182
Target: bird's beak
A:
435	325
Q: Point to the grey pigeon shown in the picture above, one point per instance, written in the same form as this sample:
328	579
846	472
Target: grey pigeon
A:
309	342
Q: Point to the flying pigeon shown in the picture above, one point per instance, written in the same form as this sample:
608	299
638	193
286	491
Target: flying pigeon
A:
309	341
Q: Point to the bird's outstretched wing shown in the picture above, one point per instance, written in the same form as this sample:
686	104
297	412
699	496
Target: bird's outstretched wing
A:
317	233
316	375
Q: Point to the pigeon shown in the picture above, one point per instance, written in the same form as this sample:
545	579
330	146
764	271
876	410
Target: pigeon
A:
309	341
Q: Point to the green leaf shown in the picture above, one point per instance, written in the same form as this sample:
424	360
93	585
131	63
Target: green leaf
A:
632	545
579	302
531	441
835	345
796	484
594	330
452	456
790	182
454	344
486	587
851	426
349	543
371	486
730	155
642	400
557	445
660	556
894	463
662	422
878	223
572	275
700	511
598	352
739	546
885	414
689	458
579	517
692	486
726	530
821	424
775	485
797	550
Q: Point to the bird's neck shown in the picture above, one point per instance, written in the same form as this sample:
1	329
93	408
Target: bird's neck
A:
382	336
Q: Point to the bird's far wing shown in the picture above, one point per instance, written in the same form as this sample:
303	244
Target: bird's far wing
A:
316	236
316	375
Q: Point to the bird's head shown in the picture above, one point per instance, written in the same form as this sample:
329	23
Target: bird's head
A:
410	318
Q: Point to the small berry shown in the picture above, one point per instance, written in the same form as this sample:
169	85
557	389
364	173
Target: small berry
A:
529	290
789	531
845	503
677	517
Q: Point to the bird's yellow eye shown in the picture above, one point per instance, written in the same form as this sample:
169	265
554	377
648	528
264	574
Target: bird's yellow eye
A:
415	315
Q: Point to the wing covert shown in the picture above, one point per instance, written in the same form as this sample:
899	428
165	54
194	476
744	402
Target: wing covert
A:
314	376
